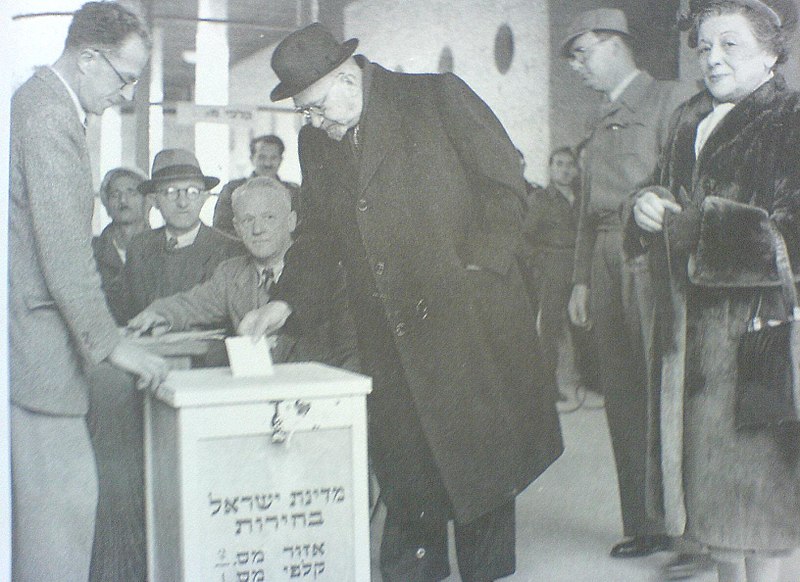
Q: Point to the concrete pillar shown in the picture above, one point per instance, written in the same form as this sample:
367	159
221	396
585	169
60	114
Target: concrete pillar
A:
211	88
156	91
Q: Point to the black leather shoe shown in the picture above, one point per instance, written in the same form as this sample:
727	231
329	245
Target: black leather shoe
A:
639	546
685	566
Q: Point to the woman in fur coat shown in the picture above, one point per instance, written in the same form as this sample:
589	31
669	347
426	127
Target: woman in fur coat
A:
730	172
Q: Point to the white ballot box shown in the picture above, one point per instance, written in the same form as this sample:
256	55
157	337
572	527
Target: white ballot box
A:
259	479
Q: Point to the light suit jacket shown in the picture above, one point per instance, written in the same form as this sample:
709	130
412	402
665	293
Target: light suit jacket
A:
58	319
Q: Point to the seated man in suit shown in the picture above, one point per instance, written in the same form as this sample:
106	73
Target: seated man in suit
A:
128	210
276	273
184	252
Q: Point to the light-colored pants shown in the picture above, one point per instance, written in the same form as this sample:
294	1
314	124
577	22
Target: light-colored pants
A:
54	496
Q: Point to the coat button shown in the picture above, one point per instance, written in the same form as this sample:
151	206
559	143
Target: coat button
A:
420	553
380	268
362	205
400	329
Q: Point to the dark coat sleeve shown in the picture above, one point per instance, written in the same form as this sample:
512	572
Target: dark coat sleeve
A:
498	186
321	321
135	272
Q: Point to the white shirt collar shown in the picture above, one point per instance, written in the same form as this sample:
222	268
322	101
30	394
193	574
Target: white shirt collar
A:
620	88
186	239
73	96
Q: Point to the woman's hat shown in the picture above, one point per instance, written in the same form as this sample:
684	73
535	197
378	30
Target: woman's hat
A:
305	56
782	13
599	19
175	164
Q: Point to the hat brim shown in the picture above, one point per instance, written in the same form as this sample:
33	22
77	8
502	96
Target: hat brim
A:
150	186
285	90
566	44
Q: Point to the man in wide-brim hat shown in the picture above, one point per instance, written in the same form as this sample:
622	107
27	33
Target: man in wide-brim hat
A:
413	184
184	252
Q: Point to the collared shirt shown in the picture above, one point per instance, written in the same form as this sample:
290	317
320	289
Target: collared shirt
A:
709	122
620	88
277	270
73	96
184	240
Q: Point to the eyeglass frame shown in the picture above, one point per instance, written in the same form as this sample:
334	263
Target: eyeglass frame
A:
125	82
192	193
310	110
582	54
318	109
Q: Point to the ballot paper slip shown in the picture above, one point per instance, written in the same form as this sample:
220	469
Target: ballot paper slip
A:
249	358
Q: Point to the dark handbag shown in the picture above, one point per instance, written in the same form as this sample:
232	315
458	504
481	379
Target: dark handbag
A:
768	359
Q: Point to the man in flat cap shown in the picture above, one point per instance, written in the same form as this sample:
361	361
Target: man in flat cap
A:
622	150
412	182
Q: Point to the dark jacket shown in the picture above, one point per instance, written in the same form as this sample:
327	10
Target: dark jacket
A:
433	203
153	270
551	221
729	488
112	275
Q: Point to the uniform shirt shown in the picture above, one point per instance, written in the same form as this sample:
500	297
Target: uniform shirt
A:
622	153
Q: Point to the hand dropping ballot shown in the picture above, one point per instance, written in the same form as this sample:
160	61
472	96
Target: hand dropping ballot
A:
248	358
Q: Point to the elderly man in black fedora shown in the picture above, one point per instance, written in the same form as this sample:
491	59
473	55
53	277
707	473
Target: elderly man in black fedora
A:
413	184
184	252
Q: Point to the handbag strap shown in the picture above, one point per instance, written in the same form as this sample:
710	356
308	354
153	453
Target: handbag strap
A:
784	271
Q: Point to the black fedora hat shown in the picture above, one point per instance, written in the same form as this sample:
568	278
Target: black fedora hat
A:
175	164
305	56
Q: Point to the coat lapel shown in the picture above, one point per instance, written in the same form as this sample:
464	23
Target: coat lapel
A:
682	157
380	130
747	111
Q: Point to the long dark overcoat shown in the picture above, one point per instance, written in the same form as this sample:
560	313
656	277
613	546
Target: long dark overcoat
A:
730	488
433	202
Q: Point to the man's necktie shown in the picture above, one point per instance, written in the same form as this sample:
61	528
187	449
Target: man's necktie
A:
172	243
265	278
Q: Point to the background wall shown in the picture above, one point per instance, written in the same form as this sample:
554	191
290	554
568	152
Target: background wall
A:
412	35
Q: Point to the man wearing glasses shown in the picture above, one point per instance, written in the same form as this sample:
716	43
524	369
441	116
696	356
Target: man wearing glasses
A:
59	323
413	184
184	252
613	296
273	273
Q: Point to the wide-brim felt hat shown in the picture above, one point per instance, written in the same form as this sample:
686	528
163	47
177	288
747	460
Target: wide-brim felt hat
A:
305	56
175	164
597	20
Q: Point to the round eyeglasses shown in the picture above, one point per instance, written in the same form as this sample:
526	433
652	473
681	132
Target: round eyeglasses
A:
192	193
